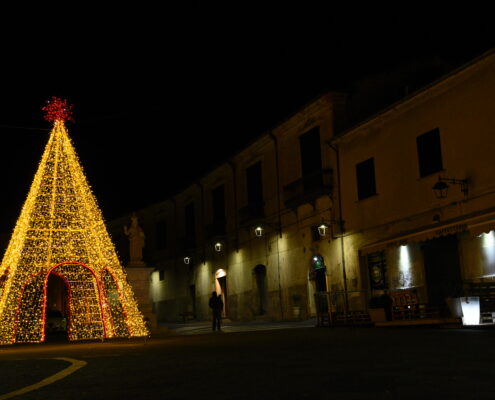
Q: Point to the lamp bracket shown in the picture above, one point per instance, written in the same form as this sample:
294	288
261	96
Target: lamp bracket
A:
332	221
263	223
462	182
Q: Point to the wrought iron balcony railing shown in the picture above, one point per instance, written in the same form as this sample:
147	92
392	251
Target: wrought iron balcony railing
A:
308	188
217	228
251	213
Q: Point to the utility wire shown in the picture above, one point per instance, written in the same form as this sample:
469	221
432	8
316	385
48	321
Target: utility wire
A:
26	128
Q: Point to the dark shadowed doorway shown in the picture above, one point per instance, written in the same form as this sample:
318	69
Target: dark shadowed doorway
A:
442	270
57	308
261	290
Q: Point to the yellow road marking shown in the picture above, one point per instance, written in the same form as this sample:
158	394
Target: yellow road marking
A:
75	365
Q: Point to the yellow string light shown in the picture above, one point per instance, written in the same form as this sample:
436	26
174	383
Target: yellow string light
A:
61	231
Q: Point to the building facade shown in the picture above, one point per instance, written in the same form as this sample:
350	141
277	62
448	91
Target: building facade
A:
353	214
248	228
418	188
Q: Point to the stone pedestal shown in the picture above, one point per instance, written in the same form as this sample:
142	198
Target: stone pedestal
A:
138	277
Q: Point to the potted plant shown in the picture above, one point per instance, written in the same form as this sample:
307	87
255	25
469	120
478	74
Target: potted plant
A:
379	308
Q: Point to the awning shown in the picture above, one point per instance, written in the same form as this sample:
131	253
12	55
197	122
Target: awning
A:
476	229
414	237
476	223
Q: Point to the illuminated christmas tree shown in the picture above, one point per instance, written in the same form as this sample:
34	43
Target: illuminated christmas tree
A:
60	239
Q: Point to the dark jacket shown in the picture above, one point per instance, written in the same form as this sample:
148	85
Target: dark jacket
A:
216	303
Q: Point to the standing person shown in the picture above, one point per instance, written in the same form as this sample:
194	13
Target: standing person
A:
216	305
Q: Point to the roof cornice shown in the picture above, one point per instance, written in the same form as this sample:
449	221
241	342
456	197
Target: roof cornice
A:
433	89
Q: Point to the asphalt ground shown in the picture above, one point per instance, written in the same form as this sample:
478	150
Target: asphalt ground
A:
194	327
285	363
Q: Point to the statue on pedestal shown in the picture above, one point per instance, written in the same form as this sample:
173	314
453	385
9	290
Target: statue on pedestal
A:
138	273
136	242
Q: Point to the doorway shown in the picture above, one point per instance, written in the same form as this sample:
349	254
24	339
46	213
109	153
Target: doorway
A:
57	308
192	293
66	299
321	280
442	269
318	272
261	291
221	289
317	291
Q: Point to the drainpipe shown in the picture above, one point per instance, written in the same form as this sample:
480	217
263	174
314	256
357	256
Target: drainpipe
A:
342	228
176	226
279	212
202	215
236	211
279	216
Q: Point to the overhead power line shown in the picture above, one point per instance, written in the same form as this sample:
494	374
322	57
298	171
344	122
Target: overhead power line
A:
26	128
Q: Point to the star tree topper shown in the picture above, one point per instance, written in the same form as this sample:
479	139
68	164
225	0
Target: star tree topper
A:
58	109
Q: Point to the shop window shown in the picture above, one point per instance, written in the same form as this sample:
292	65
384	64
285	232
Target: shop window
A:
365	177
429	153
377	268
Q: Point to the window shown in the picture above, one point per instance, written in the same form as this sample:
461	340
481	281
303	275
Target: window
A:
161	234
218	203
377	267
365	176
309	144
429	153
161	274
190	225
254	181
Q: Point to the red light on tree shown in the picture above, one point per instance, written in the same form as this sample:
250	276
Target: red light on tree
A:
58	109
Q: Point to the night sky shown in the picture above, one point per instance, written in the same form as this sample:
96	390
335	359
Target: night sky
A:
162	98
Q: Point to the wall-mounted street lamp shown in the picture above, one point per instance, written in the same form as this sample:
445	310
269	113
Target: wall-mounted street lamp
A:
324	226
322	229
258	231
218	246
187	260
442	186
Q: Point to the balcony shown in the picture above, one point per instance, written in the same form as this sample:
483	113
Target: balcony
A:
187	243
251	213
308	188
215	229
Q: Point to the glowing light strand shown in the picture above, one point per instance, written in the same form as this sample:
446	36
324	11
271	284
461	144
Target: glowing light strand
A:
58	109
61	231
